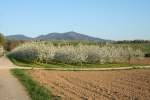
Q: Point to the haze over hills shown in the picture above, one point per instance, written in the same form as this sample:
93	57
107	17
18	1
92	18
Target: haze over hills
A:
18	37
57	36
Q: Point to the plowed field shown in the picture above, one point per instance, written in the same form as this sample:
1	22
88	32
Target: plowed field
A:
96	85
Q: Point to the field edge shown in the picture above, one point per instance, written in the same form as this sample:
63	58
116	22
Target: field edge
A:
34	89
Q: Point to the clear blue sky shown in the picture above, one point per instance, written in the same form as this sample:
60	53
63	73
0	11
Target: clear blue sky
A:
109	19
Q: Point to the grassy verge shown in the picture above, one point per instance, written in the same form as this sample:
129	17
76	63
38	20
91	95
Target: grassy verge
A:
35	91
61	65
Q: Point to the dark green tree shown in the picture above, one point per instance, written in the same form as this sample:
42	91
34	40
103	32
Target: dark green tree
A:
2	39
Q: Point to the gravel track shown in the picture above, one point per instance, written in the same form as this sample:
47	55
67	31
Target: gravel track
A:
10	87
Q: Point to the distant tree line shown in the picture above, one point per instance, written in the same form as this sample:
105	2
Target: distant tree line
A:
11	44
2	41
132	41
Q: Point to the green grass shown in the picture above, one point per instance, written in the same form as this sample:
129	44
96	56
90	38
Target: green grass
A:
36	91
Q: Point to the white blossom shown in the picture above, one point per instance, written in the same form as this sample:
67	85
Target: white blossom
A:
47	53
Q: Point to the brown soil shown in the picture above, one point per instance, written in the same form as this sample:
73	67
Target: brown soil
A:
96	85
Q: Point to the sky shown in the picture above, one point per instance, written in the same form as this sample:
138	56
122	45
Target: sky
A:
108	19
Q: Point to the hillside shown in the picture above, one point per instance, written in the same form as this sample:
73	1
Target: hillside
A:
68	36
18	37
57	36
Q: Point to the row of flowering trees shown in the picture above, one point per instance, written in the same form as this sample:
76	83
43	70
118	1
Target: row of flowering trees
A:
47	53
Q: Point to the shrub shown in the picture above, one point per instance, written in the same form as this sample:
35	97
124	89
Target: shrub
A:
25	52
71	54
47	53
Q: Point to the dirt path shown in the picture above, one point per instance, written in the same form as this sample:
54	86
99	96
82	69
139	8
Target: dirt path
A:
10	87
5	63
